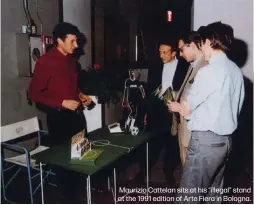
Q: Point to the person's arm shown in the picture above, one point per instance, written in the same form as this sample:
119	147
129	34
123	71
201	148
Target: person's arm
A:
38	89
204	85
39	84
183	109
242	95
173	106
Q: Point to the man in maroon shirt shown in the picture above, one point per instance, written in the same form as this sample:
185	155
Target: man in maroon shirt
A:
55	85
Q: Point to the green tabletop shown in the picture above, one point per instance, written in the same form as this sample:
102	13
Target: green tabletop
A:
60	155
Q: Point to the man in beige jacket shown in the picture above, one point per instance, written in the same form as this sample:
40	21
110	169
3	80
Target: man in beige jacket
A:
189	49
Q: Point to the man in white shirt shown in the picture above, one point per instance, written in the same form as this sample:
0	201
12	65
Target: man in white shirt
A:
159	119
212	108
170	63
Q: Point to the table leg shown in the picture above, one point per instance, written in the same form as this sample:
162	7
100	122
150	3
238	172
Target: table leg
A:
87	194
42	193
88	189
108	183
115	183
147	177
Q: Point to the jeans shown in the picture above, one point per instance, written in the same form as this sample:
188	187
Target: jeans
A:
204	167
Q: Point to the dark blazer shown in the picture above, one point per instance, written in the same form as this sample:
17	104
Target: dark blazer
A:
158	118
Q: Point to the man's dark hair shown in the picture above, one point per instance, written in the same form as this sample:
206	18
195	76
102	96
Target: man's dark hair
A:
200	29
61	31
192	36
81	41
221	35
169	41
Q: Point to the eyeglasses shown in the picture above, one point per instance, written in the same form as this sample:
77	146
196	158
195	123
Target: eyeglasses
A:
181	48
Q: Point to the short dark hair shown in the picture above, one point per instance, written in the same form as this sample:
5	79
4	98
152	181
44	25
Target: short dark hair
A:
61	31
221	35
81	41
192	36
200	29
169	41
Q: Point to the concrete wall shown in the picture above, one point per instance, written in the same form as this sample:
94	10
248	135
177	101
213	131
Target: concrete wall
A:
14	105
13	94
78	12
237	13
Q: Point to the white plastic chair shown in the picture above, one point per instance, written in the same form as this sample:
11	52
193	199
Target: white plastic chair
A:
23	160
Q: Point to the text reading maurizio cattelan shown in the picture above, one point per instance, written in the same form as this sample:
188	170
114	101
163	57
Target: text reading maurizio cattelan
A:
233	195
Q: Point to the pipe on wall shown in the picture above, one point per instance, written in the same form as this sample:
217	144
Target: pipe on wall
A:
38	16
28	16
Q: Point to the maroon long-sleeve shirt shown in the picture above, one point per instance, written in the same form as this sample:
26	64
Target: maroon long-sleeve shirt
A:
54	80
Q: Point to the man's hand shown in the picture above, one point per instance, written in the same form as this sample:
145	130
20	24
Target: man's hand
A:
86	100
85	103
173	106
185	109
182	108
70	104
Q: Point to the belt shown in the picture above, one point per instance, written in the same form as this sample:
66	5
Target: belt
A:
59	110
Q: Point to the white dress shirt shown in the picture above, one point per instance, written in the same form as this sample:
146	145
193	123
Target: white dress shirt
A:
216	96
168	75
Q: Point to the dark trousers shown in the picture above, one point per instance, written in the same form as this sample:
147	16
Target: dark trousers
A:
62	125
171	159
204	167
159	125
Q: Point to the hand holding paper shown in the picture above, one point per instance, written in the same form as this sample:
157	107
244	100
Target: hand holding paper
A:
173	106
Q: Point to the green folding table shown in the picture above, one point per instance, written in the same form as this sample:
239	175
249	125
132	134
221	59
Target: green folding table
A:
114	147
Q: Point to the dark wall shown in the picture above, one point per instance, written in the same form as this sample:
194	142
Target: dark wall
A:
152	20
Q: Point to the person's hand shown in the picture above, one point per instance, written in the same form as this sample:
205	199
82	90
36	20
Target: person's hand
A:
70	104
185	109
173	106
86	100
85	103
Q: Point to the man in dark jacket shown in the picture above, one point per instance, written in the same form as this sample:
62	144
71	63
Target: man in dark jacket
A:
169	72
